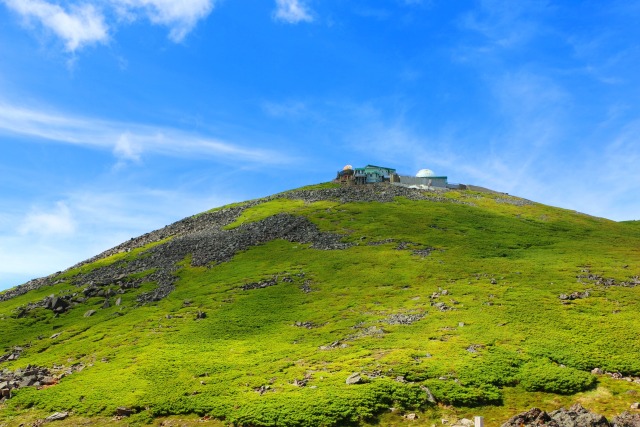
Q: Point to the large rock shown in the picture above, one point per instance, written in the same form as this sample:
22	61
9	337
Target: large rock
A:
626	419
575	416
354	378
57	416
123	411
534	417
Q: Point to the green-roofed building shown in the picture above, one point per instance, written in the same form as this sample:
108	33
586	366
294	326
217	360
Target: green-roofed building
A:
371	173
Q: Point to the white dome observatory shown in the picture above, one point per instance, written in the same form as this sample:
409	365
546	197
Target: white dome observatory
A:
425	173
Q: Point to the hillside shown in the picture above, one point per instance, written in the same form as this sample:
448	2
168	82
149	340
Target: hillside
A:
329	305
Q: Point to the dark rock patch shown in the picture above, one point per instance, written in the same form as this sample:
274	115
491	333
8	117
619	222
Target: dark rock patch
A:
274	280
306	325
626	419
587	275
355	378
379	242
32	376
574	296
441	306
13	354
260	285
513	201
382	193
404	319
474	348
575	416
123	411
369	331
333	345
57	303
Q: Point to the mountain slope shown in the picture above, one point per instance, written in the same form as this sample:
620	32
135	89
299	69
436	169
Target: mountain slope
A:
259	313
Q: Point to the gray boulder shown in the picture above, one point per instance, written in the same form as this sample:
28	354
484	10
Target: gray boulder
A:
56	416
534	417
354	378
577	416
626	419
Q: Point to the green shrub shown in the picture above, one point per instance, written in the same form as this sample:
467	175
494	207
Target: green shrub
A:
414	373
453	393
548	377
497	366
409	396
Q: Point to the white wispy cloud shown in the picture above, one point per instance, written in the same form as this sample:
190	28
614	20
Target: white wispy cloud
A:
292	11
82	23
287	109
180	16
506	23
55	221
78	25
128	141
125	149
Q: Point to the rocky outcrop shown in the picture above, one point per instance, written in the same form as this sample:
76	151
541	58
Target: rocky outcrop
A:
404	318
587	275
575	416
30	376
56	303
14	354
33	376
217	246
204	247
216	219
274	280
626	419
574	295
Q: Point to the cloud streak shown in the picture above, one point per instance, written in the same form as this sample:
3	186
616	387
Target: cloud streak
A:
127	141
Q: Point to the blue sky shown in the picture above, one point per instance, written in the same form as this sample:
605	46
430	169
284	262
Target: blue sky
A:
118	117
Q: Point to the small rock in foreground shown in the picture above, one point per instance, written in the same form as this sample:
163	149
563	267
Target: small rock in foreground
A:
57	416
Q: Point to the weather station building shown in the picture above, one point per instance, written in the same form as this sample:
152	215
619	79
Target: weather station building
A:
371	174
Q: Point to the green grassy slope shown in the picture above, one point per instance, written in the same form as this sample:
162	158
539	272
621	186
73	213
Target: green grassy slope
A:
496	266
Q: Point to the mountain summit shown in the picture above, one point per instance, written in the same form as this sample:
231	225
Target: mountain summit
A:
334	304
